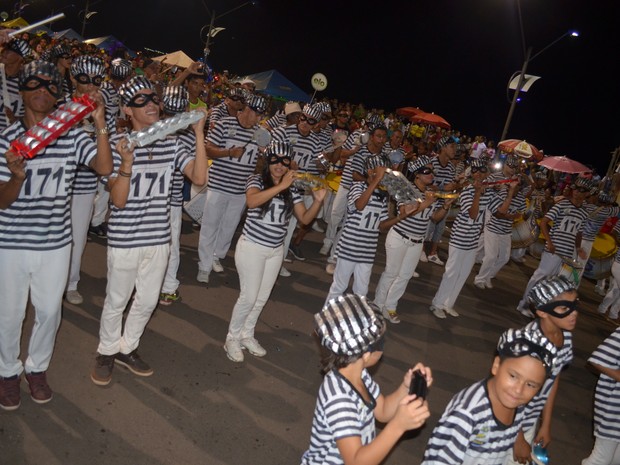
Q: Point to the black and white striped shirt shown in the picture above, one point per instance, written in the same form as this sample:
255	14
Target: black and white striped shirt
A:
112	101
596	219
563	358
468	432
607	393
567	222
306	149
340	412
277	120
145	219
360	233
503	226
414	227
187	138
268	230
465	231
15	104
442	175
218	113
227	174
40	218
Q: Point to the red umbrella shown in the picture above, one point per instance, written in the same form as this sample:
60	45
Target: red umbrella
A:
408	112
520	148
432	119
564	165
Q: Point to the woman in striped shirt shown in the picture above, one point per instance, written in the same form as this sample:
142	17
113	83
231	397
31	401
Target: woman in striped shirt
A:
259	252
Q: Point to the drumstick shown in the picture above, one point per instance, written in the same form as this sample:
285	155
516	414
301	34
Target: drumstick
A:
37	24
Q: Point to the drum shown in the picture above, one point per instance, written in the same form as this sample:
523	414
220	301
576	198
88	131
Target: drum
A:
571	269
333	180
524	233
601	258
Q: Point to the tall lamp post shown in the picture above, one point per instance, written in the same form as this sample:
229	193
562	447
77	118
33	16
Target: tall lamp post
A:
526	62
212	31
86	16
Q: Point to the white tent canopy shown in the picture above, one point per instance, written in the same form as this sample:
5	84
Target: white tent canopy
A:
178	58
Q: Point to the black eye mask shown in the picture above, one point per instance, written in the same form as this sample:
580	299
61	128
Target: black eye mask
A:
551	306
49	85
142	100
274	160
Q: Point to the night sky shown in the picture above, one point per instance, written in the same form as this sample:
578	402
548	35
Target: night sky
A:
451	57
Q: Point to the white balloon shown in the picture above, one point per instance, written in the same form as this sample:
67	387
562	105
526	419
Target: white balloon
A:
319	81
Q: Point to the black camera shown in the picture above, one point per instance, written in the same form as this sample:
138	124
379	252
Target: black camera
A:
418	385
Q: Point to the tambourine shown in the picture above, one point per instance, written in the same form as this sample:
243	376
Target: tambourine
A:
262	137
54	125
162	129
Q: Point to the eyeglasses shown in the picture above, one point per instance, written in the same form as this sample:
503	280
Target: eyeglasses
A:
275	159
85	79
35	82
142	100
482	169
310	121
425	171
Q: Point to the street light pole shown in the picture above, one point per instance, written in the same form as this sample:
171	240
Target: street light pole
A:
211	31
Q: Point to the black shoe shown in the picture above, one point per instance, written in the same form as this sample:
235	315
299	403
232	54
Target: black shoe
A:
102	372
99	230
296	251
134	363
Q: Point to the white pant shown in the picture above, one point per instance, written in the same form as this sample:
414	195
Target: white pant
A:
171	283
549	265
342	275
458	266
402	258
139	267
218	227
258	267
605	452
81	211
612	298
336	219
100	208
44	275
496	255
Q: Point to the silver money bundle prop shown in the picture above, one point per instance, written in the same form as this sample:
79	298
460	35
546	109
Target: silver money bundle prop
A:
399	187
162	129
309	182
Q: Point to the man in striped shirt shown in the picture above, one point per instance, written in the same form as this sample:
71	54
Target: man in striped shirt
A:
139	229
234	152
12	58
35	230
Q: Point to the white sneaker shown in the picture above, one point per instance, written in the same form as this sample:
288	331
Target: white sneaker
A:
284	272
438	312
74	297
330	268
489	284
416	274
233	351
451	312
600	291
423	257
203	276
287	258
480	284
253	347
317	227
391	316
327	246
435	259
217	266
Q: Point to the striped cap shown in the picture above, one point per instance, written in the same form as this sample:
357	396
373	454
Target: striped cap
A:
582	181
87	64
237	92
120	68
256	103
279	149
516	343
513	160
373	121
547	289
131	88
419	163
349	325
60	49
324	107
312	111
445	140
40	68
478	162
175	99
20	47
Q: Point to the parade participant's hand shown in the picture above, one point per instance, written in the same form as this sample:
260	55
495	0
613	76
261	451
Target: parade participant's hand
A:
550	247
522	450
126	152
376	175
411	413
194	67
99	113
450	186
10	115
582	253
236	152
288	179
478	186
319	194
199	125
449	202
4	35
411	208
426	372
514	185
16	165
